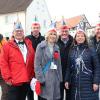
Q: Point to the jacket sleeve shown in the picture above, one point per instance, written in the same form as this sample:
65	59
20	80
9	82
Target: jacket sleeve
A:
38	65
4	64
96	67
67	74
60	69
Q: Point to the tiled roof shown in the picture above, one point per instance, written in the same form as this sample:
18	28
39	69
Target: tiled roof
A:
9	6
71	22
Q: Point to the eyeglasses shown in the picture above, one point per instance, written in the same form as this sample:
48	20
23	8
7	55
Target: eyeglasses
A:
19	31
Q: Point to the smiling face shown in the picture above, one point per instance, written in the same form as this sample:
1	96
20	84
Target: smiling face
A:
18	34
52	37
35	30
64	33
80	37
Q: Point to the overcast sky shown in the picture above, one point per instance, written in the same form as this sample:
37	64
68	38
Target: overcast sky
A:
71	8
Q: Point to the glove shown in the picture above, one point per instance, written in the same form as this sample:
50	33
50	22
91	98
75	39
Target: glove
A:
38	88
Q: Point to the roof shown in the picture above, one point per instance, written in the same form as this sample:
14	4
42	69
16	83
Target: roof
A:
10	6
72	22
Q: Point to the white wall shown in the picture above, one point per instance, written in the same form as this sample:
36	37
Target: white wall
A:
7	22
90	32
37	8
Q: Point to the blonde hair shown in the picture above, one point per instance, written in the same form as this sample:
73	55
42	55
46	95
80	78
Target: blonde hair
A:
48	34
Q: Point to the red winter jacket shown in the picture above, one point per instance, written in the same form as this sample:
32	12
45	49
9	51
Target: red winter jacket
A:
13	67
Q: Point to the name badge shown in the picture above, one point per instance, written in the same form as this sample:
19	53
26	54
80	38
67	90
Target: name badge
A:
53	66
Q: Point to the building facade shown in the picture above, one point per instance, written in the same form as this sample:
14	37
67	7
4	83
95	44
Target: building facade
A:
25	10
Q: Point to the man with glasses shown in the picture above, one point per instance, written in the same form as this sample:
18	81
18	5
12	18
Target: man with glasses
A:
17	66
64	42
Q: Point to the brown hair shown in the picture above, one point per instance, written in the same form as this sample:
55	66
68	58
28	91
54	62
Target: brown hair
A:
77	32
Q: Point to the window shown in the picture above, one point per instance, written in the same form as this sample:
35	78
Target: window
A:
6	19
10	19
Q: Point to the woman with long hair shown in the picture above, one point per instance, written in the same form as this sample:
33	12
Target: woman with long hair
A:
83	70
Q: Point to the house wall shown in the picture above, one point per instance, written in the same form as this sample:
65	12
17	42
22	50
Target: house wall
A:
90	32
37	8
7	22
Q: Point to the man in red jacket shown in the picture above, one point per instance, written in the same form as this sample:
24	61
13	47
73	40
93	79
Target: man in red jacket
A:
17	65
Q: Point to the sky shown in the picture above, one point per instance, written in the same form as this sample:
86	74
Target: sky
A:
71	8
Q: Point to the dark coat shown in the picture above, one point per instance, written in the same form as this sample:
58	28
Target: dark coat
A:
83	73
64	51
96	45
35	41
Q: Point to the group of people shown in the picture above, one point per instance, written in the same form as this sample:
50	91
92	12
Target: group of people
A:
60	63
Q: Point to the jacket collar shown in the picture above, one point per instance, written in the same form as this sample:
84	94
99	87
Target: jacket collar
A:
14	43
70	39
35	37
45	44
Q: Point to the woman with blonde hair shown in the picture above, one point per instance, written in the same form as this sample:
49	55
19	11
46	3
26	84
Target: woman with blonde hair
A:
48	67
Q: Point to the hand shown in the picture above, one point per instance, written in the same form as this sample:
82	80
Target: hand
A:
66	85
95	87
9	83
42	84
